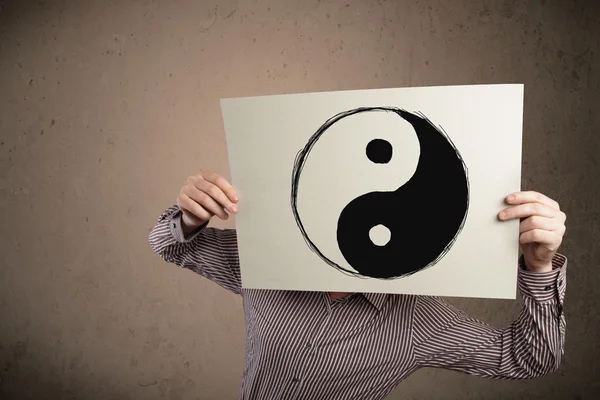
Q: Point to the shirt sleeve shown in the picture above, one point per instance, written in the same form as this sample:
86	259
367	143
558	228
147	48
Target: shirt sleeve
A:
210	252
532	346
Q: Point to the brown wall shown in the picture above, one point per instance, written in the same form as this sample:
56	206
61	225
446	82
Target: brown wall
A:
106	107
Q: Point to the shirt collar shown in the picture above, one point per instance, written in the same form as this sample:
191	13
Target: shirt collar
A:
376	299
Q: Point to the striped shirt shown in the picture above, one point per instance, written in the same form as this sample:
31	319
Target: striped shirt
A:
302	345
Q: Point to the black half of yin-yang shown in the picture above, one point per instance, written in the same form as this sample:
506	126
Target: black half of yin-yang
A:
424	216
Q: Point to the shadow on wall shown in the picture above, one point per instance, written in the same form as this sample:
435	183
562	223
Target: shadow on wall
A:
25	375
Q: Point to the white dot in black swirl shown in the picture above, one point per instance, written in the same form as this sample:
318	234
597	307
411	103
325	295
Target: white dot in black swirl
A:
391	233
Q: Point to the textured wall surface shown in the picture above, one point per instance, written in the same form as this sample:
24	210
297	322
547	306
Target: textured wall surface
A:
106	107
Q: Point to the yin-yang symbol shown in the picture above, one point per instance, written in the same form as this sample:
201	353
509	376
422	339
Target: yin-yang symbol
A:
400	228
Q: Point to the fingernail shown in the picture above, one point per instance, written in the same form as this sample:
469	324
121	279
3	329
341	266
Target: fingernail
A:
502	214
233	208
511	197
235	198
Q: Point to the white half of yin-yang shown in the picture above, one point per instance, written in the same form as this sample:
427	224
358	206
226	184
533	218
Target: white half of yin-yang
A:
337	170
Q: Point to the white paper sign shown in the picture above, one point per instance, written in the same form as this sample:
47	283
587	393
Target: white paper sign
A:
387	190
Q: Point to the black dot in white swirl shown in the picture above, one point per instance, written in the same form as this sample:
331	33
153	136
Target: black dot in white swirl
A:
392	231
379	151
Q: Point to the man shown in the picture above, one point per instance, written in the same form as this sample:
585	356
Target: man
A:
315	345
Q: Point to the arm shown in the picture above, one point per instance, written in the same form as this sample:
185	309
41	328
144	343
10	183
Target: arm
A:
532	346
210	252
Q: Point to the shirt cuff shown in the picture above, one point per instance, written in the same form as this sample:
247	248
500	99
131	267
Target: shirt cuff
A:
544	287
176	226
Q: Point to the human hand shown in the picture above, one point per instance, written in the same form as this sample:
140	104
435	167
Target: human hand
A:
205	195
541	230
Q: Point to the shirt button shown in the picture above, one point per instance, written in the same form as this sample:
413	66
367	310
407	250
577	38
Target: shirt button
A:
295	380
174	225
560	281
548	288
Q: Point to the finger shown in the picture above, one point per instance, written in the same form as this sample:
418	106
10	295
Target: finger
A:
186	203
546	238
527	210
531	197
222	184
562	217
206	201
216	194
537	222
